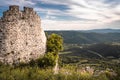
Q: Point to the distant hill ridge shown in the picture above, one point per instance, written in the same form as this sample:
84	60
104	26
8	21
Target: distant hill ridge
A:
93	30
103	30
88	37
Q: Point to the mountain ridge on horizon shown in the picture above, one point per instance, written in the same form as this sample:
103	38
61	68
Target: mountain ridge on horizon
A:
108	30
79	37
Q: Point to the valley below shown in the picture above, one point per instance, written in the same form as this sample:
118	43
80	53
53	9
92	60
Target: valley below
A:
91	52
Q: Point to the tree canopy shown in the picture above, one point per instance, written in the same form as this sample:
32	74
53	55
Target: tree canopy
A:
54	43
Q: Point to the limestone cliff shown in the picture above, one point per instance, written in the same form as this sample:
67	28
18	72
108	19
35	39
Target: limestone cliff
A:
21	36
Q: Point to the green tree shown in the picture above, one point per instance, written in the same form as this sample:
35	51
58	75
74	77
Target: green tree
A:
54	43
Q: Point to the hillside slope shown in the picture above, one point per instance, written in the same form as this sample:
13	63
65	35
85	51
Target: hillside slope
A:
78	37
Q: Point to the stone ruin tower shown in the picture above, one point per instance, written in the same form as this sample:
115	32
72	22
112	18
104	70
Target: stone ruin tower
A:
21	37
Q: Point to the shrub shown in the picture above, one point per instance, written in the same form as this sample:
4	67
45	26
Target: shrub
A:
49	60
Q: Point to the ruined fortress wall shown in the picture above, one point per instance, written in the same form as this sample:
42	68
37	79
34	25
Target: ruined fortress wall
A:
21	37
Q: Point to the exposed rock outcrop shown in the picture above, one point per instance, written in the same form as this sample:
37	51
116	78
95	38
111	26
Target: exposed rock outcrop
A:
21	36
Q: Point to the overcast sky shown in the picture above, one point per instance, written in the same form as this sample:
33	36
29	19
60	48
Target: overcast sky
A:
72	14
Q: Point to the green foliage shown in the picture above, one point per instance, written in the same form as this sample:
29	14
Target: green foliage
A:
32	63
35	73
21	65
54	43
49	60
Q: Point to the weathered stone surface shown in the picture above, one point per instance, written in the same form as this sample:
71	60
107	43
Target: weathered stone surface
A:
21	37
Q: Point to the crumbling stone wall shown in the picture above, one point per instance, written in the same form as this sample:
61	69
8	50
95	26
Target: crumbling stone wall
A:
21	37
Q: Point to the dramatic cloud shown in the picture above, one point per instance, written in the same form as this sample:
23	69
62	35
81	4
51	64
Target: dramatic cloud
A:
73	14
